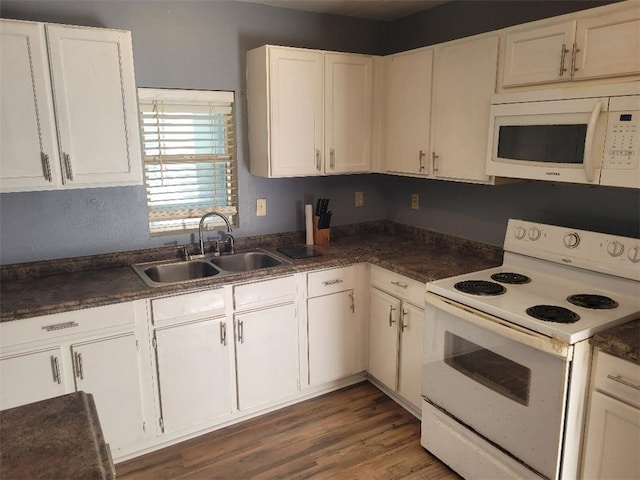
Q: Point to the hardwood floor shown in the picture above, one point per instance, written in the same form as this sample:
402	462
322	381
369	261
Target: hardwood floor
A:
354	433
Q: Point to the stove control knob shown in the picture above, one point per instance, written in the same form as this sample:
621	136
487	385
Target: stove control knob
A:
634	254
571	240
520	233
534	233
615	248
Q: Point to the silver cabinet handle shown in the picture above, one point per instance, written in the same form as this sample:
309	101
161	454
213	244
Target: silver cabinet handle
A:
403	325
328	283
240	331
353	302
67	166
563	54
318	164
391	310
59	326
55	368
421	156
574	69
398	284
79	368
223	333
46	166
434	159
627	383
332	158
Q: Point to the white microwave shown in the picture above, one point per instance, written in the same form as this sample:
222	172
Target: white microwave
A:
578	137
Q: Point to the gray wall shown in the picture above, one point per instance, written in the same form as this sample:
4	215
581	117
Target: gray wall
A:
184	44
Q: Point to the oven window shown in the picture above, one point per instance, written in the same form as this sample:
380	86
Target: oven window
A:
543	143
494	371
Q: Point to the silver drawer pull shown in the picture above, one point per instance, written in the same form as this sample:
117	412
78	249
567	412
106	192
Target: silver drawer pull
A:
391	310
401	285
332	282
55	368
79	366
619	379
46	166
59	326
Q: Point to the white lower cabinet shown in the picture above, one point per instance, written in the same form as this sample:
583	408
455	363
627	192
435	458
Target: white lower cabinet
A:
93	350
195	373
266	355
107	368
612	442
396	326
30	377
336	330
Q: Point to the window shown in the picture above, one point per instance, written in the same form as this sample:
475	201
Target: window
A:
189	157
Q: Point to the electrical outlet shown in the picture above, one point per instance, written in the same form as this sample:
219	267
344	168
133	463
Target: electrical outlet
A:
359	199
415	201
261	207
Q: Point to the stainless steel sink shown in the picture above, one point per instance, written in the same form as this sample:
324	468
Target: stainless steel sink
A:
160	273
246	261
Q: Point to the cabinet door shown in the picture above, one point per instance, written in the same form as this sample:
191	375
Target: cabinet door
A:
464	80
96	105
407	88
333	337
411	348
28	150
195	373
613	439
539	55
383	337
108	369
608	45
31	377
266	355
296	111
348	90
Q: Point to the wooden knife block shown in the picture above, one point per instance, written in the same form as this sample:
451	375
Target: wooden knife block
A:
321	236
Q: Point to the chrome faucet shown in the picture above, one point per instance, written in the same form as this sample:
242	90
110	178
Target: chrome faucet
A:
201	227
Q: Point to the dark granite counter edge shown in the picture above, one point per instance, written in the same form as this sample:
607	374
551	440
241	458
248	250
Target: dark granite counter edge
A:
622	341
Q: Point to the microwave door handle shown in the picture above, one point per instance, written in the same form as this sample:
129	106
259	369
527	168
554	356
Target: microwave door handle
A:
589	167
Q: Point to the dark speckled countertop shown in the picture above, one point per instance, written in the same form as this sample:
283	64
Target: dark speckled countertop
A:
622	341
62	433
42	288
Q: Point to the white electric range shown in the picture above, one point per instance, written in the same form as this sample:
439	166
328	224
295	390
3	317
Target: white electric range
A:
507	354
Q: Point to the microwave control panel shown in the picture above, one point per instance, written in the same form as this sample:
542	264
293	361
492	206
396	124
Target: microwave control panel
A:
621	150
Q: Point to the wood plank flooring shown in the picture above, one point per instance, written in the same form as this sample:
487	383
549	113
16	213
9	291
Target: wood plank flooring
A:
354	433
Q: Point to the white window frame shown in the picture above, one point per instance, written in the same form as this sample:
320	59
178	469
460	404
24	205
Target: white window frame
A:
162	160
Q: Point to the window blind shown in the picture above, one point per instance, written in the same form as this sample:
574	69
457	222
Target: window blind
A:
190	164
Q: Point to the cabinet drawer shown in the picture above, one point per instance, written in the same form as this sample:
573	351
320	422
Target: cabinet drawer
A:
617	377
334	280
188	307
268	292
68	323
399	285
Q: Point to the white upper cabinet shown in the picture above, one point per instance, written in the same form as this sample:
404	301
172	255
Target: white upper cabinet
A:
585	46
28	147
309	111
348	94
90	80
407	111
464	78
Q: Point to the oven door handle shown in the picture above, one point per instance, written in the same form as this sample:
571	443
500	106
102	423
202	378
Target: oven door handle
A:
589	167
503	328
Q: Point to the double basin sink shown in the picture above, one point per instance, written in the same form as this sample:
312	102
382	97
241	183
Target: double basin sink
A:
160	273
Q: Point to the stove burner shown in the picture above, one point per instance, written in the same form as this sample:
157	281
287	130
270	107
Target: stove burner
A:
596	302
553	313
480	287
510	278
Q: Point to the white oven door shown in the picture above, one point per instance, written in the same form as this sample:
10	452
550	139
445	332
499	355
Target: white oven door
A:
492	378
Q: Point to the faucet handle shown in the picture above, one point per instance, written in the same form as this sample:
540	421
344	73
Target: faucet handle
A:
184	253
